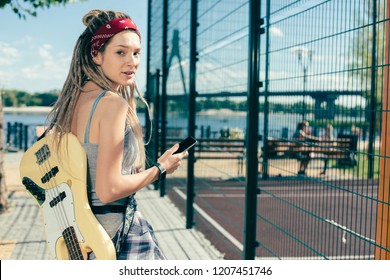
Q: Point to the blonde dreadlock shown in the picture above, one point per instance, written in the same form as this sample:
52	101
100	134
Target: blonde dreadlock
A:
83	69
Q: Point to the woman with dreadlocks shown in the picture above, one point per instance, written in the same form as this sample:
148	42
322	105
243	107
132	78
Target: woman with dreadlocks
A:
97	104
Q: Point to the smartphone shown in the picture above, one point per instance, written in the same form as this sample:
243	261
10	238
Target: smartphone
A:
186	144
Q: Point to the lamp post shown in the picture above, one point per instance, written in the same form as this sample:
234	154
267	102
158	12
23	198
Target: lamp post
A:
304	59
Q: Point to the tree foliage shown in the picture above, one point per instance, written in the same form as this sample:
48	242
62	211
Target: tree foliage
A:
368	54
22	8
15	98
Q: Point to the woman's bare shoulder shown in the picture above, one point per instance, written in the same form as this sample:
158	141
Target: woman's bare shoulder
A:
115	99
112	106
112	101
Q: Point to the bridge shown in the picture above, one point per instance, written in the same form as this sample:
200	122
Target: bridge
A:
320	97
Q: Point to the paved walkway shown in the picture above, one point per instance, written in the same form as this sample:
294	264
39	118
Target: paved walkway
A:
22	234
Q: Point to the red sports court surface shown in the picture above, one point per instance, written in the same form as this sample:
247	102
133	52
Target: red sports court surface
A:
296	218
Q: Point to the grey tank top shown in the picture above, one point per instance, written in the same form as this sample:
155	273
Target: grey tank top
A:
110	221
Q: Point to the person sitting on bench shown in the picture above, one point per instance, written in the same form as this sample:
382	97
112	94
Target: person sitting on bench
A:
302	134
328	136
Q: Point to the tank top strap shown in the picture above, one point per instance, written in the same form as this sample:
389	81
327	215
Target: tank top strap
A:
86	134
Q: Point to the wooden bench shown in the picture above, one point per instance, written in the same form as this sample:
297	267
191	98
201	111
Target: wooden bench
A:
217	148
343	149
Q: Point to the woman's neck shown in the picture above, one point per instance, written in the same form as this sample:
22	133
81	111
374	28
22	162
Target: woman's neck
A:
91	87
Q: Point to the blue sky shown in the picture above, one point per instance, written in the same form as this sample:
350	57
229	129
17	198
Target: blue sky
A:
35	53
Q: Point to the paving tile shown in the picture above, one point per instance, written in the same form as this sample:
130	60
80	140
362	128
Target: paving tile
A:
22	235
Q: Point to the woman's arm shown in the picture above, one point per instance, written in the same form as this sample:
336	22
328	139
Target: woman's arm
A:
111	185
308	136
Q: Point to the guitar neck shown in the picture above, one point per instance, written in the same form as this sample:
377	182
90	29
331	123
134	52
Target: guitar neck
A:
72	244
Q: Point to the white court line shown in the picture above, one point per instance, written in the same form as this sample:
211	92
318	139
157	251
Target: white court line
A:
214	223
347	230
349	257
332	222
278	195
239	245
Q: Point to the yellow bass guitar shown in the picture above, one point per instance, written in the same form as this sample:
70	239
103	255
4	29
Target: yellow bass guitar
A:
56	178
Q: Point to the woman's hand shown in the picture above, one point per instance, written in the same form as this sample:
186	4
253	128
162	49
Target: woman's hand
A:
171	161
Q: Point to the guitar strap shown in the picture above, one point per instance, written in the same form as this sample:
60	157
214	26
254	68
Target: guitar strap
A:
121	235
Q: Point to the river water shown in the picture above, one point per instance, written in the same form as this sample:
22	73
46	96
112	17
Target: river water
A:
211	123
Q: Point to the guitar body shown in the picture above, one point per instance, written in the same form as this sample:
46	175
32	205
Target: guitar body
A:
56	178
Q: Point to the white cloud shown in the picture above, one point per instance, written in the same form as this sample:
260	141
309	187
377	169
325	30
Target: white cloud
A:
47	72
8	54
276	32
48	69
44	52
26	40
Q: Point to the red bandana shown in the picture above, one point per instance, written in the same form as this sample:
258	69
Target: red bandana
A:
108	30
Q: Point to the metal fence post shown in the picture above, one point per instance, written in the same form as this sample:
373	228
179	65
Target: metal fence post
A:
25	138
155	84
251	190
373	99
149	125
191	117
265	167
20	136
9	133
164	88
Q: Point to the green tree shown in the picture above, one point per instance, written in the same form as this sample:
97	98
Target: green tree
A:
42	99
14	98
368	55
9	98
30	7
22	97
368	52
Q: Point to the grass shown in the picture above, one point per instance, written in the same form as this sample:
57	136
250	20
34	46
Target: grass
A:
360	171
